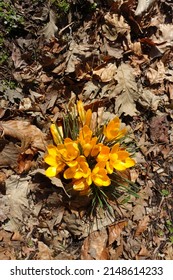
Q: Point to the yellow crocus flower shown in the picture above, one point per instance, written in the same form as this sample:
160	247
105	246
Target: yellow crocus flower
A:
85	116
119	159
112	130
79	170
86	140
57	133
53	158
69	151
99	175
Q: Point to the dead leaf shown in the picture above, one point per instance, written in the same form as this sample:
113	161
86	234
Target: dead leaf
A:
44	252
9	155
95	246
16	236
159	127
139	210
29	135
105	73
143	253
169	251
127	91
148	99
142	6
50	29
114	25
76	53
4	209
115	232
142	225
17	190
16	56
156	75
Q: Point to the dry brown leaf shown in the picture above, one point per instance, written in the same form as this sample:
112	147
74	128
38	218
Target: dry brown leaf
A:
115	253
44	252
169	251
9	155
142	225
115	232
17	190
142	6
143	253
114	25
4	209
95	246
105	73
139	210
50	29
127	91
28	134
149	100
159	127
76	53
164	36
16	56
156	76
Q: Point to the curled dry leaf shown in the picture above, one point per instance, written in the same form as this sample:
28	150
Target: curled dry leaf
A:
28	134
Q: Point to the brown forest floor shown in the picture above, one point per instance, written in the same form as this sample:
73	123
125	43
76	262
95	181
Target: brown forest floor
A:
120	62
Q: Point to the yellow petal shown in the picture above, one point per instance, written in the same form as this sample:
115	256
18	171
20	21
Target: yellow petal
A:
69	173
52	150
50	160
80	185
51	171
109	167
88	117
57	133
81	111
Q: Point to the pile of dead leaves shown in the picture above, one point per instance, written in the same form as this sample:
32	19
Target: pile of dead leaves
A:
117	58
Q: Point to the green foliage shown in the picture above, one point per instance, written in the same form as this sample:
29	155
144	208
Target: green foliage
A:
164	192
9	17
62	5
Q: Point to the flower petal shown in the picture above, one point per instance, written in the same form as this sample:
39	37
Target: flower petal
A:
51	171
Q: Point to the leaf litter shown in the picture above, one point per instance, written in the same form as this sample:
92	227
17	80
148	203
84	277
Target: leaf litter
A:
117	59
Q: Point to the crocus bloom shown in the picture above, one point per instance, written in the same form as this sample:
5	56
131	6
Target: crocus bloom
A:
81	185
119	159
104	154
112	130
85	116
57	133
86	140
69	151
80	169
99	175
53	158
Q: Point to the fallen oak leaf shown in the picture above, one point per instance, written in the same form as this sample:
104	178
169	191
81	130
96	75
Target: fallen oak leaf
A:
127	91
28	134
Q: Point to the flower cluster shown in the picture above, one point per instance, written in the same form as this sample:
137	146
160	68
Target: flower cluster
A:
90	158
